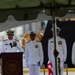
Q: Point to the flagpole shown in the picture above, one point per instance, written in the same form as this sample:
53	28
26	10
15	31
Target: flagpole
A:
55	41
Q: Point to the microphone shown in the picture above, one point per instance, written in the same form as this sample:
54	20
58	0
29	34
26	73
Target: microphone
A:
11	45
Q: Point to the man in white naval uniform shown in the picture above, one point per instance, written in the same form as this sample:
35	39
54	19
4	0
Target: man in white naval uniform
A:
73	54
10	45
33	55
61	48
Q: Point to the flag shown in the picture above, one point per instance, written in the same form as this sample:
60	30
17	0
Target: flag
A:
49	67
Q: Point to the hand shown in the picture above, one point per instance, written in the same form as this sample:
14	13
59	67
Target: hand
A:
61	67
39	63
14	44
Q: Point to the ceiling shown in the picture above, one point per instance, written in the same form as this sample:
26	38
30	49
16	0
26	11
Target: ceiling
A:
29	9
26	10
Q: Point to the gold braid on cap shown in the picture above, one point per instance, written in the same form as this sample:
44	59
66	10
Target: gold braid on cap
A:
10	32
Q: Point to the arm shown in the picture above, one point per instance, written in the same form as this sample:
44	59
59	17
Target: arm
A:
2	48
26	55
64	50
41	54
49	50
73	55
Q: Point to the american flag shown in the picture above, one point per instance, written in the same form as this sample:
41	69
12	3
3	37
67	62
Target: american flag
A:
49	67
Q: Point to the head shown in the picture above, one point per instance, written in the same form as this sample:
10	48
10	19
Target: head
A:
32	36
57	30
10	34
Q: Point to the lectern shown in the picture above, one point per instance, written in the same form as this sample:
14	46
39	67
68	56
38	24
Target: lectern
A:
12	63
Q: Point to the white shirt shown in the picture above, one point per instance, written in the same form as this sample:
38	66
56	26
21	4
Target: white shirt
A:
6	47
62	49
33	53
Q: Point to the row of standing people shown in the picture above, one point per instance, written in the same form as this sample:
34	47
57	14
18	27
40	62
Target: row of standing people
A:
34	53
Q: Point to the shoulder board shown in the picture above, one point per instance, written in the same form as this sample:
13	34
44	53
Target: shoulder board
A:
28	42
37	41
62	38
16	40
51	38
52	41
5	40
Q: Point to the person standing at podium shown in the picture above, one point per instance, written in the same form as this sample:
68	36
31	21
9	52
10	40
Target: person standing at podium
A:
33	55
11	44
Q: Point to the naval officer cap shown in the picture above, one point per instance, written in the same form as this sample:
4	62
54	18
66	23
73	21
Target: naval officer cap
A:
9	32
56	28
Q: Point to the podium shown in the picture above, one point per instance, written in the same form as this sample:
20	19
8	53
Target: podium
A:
12	64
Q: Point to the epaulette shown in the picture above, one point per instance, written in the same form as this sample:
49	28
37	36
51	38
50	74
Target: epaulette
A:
28	42
5	40
16	40
38	41
62	38
50	38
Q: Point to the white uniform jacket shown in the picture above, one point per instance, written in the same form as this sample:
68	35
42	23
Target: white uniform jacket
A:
62	49
73	54
33	53
6	47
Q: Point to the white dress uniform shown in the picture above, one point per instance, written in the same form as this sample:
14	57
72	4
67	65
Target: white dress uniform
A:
33	55
6	46
73	54
62	49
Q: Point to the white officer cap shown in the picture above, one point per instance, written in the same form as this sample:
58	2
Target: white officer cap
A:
10	32
56	28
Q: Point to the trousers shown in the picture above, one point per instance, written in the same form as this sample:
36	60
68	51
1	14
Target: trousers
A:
61	68
34	69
